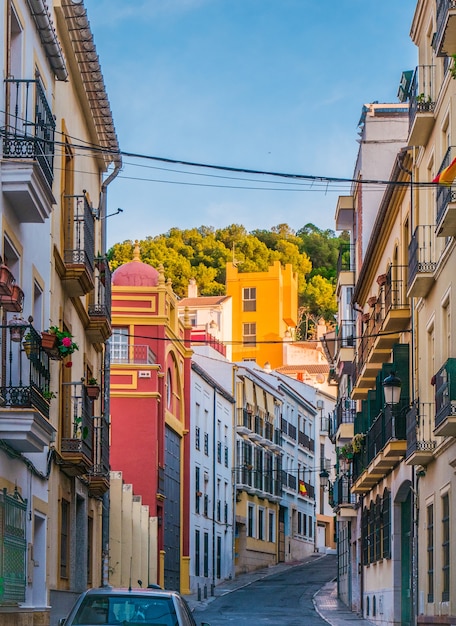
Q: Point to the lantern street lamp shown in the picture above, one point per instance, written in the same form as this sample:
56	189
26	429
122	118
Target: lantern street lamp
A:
324	479
392	389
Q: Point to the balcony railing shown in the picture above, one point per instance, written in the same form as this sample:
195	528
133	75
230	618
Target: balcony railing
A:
396	288
346	258
24	376
422	99
98	474
341	491
99	309
445	201
445	399
345	411
79	232
132	355
420	441
422	263
445	16
30	125
76	443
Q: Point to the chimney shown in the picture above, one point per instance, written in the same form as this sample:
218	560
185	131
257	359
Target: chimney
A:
192	288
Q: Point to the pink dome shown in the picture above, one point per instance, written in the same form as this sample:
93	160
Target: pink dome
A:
135	273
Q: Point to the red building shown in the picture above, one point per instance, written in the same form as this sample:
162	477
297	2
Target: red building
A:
150	409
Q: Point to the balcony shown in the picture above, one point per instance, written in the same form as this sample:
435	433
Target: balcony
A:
385	446
98	474
344	501
345	413
446	202
244	422
25	378
422	98
76	443
99	328
346	266
27	168
397	306
124	354
78	272
444	42
422	262
345	341
345	213
420	442
445	400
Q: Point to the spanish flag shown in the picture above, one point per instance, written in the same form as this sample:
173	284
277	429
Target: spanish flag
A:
302	488
447	175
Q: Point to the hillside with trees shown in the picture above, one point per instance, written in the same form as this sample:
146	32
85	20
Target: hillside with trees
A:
202	253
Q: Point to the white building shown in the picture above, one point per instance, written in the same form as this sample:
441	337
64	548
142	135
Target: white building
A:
211	484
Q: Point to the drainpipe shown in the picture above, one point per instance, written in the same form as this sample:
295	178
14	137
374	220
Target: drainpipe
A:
214	485
106	369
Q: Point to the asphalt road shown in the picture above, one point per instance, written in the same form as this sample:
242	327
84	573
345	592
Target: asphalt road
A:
282	599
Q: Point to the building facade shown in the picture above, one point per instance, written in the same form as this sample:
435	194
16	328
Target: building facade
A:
211	483
54	459
260	329
150	415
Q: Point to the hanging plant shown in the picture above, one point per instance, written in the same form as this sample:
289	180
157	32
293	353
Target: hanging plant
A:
64	341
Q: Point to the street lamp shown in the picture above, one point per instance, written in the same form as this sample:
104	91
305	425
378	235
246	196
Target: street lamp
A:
392	389
324	479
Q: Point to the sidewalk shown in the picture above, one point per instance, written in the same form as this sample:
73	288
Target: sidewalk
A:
325	600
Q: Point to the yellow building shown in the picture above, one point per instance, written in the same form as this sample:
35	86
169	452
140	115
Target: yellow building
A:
432	262
265	309
54	457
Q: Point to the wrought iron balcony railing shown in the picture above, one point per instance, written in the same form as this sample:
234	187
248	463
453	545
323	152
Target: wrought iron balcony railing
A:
79	232
345	411
420	440
395	288
341	491
445	14
422	255
25	373
422	94
77	425
30	125
100	297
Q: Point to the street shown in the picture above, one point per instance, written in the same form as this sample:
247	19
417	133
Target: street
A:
282	599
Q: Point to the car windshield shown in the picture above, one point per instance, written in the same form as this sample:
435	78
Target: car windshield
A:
126	609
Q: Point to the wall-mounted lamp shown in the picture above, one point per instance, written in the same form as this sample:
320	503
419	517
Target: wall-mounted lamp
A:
392	388
324	479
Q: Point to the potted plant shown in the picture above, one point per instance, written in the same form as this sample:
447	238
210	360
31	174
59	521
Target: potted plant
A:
48	394
63	341
354	446
93	388
30	343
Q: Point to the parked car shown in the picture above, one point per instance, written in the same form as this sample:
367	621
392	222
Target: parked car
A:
137	607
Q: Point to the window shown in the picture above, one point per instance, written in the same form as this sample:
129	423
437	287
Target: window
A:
197	552
119	345
219	556
197	490
445	548
64	538
197	437
249	299
261	524
206	444
430	552
271	527
249	334
206	555
12	533
250	521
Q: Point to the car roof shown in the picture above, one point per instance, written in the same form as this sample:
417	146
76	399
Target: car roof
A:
120	591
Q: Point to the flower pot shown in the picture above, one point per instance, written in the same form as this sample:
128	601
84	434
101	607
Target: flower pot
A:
93	391
6	280
381	280
48	340
372	301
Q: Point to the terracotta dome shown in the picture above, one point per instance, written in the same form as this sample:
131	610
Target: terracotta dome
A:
135	273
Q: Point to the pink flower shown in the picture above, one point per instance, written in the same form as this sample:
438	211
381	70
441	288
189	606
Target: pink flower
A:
66	341
69	364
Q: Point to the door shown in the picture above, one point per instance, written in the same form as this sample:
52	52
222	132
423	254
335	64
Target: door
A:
406	557
172	514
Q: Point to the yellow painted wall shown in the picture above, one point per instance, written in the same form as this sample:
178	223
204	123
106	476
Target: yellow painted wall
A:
276	311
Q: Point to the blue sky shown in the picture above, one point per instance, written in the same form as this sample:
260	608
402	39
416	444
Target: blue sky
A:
270	85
